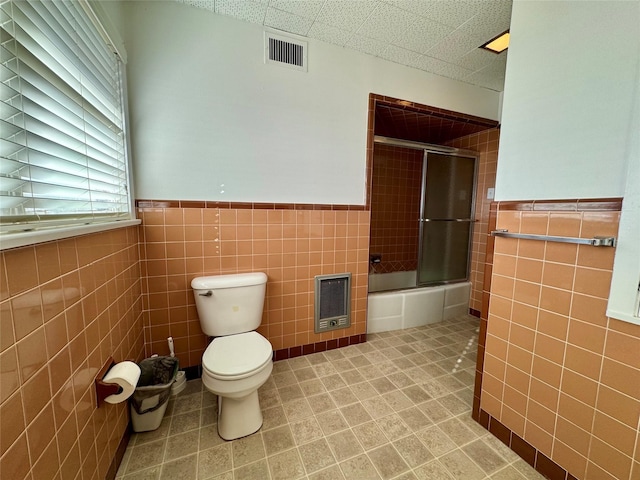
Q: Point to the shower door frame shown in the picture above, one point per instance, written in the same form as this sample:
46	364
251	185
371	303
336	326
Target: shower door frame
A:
441	149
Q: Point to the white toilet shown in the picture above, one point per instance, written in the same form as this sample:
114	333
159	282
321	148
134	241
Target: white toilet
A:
238	361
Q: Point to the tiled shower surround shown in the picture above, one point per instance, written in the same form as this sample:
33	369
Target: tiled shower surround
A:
65	308
395	207
560	380
291	245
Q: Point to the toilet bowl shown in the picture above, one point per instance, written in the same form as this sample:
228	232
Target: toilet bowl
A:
233	368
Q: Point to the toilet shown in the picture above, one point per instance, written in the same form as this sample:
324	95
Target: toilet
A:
238	360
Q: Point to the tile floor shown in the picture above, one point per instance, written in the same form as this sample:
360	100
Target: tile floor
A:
396	407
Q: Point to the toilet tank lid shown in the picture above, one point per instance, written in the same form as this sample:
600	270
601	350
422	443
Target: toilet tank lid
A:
228	281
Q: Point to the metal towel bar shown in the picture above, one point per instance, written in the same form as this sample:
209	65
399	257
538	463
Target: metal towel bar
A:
595	241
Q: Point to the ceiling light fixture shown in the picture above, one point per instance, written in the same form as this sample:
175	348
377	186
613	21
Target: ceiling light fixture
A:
498	44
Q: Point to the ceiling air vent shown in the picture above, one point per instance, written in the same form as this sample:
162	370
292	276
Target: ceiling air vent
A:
285	51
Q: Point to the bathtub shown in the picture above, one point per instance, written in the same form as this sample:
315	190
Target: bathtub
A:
412	307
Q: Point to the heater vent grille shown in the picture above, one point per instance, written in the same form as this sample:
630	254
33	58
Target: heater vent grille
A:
332	302
285	51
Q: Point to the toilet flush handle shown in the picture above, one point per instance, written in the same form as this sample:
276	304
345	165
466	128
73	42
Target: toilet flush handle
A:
208	294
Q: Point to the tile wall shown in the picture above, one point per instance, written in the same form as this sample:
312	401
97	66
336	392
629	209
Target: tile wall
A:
557	373
65	308
395	207
486	144
290	243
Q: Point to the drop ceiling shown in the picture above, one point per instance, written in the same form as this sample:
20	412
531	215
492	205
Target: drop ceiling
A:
437	36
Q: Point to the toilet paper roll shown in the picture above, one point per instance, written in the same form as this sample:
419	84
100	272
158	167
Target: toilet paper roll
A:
125	374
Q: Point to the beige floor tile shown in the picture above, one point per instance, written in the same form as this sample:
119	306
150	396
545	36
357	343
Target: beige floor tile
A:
254	471
344	445
214	461
306	430
402	397
413	451
182	445
286	466
184	468
316	455
433	471
355	414
388	461
359	468
369	435
278	439
484	456
331	473
332	422
145	456
247	450
461	466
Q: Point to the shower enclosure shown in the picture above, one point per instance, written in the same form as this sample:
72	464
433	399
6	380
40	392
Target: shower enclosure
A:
442	220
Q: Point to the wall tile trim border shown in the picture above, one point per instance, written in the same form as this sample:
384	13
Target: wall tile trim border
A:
526	451
140	203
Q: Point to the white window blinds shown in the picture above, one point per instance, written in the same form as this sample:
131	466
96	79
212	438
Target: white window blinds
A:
62	150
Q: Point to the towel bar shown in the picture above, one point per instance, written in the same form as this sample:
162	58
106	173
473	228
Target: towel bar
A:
595	241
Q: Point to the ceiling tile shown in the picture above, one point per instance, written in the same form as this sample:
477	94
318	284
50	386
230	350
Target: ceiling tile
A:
487	80
307	8
366	45
206	4
476	59
253	12
451	13
421	35
400	55
455	45
346	15
386	22
453	71
287	21
329	34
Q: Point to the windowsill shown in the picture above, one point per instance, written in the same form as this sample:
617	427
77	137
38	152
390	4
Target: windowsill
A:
16	240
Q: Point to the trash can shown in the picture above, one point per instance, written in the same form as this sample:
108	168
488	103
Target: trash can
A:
151	396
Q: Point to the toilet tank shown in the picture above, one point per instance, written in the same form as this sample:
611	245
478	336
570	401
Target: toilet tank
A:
229	304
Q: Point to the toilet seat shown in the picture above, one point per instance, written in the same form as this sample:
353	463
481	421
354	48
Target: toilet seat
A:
233	357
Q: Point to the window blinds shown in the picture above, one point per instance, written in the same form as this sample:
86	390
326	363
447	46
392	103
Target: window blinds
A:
62	150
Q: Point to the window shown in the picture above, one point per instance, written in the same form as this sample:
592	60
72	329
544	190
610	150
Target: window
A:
63	144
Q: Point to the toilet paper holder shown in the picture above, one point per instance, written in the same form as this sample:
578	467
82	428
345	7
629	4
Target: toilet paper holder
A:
104	389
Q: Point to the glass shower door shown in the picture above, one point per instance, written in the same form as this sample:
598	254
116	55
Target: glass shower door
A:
448	188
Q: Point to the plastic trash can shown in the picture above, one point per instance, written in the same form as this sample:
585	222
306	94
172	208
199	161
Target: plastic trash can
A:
151	396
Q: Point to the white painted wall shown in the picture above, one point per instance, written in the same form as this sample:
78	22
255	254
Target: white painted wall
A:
568	100
207	116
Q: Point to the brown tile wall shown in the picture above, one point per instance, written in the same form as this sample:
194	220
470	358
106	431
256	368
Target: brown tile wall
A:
486	144
557	372
65	308
291	245
395	207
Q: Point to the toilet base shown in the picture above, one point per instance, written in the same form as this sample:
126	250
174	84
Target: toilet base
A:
239	417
